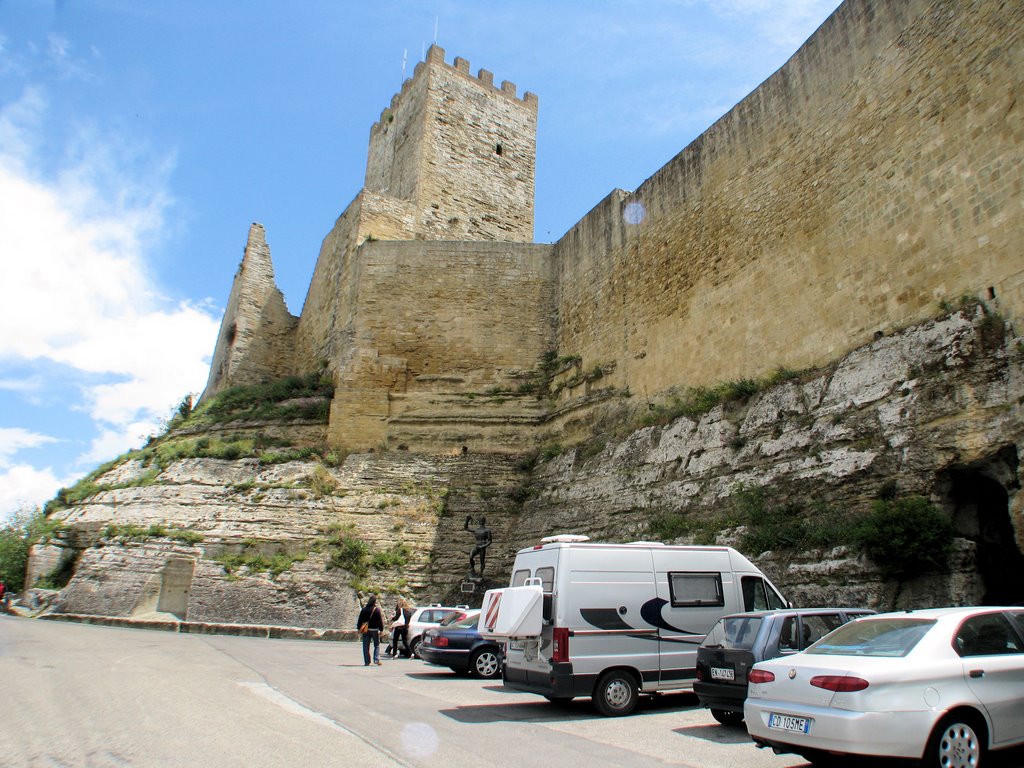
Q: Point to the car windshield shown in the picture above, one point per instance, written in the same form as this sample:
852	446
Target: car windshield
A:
468	622
733	632
874	637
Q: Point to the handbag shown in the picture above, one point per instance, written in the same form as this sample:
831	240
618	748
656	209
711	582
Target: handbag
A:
364	628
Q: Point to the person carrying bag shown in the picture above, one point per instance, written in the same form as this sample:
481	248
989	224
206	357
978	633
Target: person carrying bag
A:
370	624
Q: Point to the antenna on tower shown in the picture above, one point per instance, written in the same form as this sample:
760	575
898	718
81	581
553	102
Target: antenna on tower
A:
405	55
435	30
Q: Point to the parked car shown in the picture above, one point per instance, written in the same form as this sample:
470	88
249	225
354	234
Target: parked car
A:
459	647
945	685
739	641
433	615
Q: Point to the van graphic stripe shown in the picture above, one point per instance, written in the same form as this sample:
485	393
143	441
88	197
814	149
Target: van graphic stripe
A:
651	613
604	618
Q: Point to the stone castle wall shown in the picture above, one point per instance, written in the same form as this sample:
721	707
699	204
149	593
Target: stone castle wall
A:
440	316
461	150
876	174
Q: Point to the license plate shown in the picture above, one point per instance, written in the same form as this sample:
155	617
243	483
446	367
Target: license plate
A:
720	673
517	645
789	723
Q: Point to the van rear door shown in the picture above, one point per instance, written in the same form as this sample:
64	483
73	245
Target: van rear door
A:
532	655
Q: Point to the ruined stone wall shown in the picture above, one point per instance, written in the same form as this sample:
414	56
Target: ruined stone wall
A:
327	312
257	333
874	175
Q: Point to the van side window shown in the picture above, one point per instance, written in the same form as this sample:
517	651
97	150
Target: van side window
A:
695	589
519	577
759	596
547	584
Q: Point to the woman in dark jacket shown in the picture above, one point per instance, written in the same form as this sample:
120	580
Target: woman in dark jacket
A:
372	617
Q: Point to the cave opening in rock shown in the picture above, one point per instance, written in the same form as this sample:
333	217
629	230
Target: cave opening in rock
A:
979	496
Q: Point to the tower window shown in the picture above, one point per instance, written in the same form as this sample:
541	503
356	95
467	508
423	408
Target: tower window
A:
497	149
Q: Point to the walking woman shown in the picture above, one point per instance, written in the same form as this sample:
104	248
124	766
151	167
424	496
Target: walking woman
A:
370	624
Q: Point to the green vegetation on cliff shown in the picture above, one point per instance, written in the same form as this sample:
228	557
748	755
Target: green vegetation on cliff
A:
905	536
20	533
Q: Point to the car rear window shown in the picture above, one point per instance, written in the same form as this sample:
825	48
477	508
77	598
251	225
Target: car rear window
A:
874	637
733	633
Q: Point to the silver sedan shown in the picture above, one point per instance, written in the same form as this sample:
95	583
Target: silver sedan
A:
944	684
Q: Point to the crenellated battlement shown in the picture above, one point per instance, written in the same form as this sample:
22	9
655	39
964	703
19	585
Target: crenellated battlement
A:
436	56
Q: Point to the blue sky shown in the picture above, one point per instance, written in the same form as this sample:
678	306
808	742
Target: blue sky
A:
139	140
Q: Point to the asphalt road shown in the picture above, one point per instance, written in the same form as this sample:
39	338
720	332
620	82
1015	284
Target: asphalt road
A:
102	697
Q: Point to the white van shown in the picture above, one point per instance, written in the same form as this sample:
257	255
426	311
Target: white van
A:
611	621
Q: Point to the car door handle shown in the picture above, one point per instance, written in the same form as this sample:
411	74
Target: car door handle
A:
977	673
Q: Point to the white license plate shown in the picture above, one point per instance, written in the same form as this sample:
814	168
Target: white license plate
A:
789	723
517	645
719	673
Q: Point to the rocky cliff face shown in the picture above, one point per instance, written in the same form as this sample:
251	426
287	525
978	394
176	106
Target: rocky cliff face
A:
784	470
934	411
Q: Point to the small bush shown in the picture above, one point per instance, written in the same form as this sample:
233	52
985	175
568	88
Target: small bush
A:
907	537
520	494
395	556
349	554
322	482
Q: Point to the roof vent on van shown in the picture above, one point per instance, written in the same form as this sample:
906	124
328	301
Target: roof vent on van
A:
649	543
564	538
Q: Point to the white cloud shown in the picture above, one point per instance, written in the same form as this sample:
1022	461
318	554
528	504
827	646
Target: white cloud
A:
24	487
787	24
77	290
14	439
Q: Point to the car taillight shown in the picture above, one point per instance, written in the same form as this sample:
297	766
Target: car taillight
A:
700	673
760	676
440	641
839	683
560	644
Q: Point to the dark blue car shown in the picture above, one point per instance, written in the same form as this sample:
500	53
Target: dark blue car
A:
459	647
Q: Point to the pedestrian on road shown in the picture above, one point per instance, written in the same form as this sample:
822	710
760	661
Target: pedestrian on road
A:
400	627
371	624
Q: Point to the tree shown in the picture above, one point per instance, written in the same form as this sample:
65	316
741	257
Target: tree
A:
17	536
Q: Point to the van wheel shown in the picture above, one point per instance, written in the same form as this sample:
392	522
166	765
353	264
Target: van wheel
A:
616	694
484	664
725	717
958	741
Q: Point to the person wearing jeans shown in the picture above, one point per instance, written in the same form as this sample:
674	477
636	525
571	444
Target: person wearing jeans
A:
370	624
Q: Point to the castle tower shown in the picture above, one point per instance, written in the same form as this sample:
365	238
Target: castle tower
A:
460	151
256	336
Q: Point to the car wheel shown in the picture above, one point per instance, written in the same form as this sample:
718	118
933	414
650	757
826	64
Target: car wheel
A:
958	741
485	664
414	649
616	694
725	717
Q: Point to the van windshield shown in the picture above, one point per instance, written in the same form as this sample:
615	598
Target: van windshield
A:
733	633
